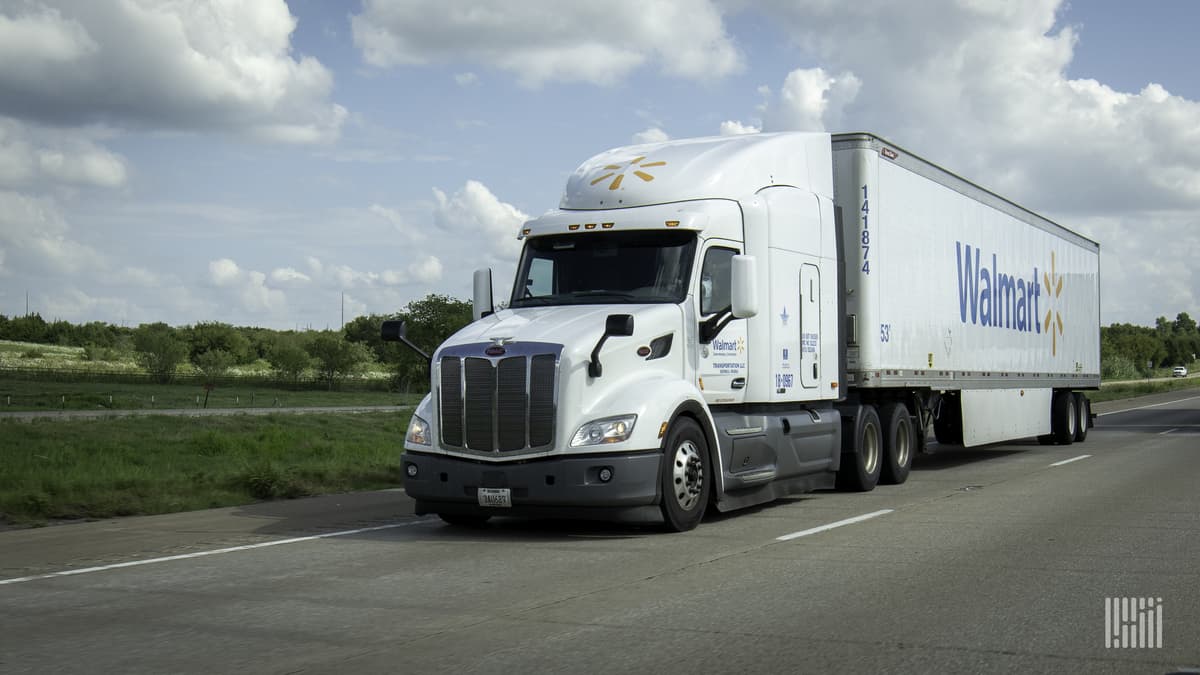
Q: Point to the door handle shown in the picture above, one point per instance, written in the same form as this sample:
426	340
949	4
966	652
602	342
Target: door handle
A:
738	383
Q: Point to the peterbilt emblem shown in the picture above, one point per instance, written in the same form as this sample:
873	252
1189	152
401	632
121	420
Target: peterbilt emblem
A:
497	348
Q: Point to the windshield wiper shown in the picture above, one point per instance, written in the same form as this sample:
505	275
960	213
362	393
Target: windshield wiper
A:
537	300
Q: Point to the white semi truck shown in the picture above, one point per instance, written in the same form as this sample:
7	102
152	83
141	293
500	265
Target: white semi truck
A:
719	322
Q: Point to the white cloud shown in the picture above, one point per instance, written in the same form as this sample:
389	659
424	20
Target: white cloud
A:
286	276
30	156
651	135
40	35
247	287
400	223
473	214
735	128
34	231
478	215
224	66
427	270
138	277
223	272
466	79
543	41
811	100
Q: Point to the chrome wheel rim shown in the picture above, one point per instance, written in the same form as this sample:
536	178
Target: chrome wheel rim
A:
870	448
903	444
687	473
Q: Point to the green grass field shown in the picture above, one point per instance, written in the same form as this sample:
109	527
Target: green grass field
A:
22	395
61	469
1112	391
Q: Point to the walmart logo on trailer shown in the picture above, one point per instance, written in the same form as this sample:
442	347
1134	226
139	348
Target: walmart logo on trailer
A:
990	297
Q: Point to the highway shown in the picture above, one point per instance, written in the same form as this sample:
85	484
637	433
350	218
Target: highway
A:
988	560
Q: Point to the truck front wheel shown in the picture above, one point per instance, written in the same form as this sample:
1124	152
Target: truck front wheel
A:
685	477
898	442
862	453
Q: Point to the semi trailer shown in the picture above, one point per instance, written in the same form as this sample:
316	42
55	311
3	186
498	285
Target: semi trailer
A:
715	323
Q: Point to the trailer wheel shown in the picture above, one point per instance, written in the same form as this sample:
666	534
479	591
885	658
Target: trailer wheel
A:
862	453
898	443
1063	417
464	520
1083	415
685	477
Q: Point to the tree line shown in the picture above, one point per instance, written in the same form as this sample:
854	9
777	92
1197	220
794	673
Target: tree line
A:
1127	351
214	348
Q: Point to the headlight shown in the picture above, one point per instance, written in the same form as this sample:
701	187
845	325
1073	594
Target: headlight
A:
418	431
608	430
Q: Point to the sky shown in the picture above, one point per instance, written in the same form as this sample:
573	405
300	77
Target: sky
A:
296	164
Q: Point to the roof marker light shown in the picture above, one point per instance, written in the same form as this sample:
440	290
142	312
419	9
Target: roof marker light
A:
607	226
672	223
573	227
589	226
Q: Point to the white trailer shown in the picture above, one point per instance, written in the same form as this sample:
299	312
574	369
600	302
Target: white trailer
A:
719	322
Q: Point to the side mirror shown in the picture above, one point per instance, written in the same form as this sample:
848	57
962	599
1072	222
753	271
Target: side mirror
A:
619	325
616	325
744	294
481	304
393	330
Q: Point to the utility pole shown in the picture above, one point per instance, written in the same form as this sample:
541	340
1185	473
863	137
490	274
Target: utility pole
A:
343	311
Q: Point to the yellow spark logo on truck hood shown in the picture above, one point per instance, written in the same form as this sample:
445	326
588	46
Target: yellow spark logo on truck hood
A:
619	170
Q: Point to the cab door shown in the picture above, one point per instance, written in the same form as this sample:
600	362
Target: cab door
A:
721	375
810	326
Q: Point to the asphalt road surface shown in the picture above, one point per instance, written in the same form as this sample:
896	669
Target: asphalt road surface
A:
993	560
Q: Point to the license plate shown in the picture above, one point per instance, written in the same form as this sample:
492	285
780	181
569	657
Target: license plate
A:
499	497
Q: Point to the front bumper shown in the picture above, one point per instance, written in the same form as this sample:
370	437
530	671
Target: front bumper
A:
566	487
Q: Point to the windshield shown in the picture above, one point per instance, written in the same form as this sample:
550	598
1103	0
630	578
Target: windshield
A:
605	267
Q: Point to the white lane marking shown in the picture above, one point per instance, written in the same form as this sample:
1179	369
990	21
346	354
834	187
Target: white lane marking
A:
830	526
1068	461
1143	407
1164	433
201	554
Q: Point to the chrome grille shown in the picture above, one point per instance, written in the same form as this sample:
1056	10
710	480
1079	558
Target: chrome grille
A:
498	404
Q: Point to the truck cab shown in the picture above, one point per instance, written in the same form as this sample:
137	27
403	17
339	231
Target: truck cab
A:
670	344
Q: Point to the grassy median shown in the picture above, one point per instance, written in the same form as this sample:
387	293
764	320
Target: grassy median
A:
64	469
23	395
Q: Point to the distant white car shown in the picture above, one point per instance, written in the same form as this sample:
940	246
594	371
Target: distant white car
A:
1179	371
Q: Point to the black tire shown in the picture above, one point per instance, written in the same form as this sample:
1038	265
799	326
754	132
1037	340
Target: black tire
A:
464	520
862	453
1083	415
686	477
899	443
1063	417
1046	439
